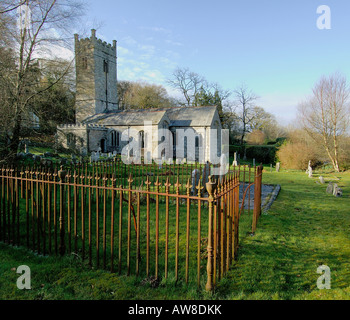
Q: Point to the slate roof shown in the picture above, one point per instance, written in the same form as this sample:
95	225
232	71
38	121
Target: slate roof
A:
191	116
128	117
178	116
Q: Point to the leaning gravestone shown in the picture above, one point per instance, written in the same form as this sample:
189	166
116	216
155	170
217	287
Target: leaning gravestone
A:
322	180
195	180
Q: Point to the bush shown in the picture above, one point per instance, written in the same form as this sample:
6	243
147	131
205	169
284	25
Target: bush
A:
296	156
263	154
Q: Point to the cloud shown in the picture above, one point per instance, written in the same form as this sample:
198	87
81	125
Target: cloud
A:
174	43
282	105
157	29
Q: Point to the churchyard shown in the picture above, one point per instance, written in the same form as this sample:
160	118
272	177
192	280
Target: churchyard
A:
303	228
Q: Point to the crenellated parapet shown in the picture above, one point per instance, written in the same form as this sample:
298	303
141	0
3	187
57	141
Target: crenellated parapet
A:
96	43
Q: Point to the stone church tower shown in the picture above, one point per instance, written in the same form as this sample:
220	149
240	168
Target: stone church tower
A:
96	77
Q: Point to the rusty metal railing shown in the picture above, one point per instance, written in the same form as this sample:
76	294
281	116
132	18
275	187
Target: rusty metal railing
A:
150	229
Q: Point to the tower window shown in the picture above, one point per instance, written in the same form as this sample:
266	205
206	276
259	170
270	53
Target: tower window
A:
105	66
84	63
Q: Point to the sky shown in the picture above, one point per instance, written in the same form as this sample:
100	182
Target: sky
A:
274	47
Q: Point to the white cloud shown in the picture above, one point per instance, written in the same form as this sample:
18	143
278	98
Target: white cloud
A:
283	106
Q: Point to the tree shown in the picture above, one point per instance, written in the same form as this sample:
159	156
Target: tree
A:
261	119
122	89
244	102
213	95
256	137
325	115
141	95
56	104
188	83
42	24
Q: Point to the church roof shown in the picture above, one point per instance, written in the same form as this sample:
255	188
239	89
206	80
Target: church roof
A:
178	116
128	117
191	116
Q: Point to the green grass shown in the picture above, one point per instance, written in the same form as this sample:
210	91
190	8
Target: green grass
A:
305	228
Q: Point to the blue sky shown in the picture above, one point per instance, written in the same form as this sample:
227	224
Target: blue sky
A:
273	46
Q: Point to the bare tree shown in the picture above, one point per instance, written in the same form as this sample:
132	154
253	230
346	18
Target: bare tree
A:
8	7
244	102
188	83
325	115
41	25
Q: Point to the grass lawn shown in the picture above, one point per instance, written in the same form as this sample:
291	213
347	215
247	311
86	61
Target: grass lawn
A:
305	228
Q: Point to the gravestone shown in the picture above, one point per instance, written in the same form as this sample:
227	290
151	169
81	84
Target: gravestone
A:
26	148
310	172
278	167
205	174
335	189
253	162
235	162
338	192
271	167
330	188
322	180
195	180
309	169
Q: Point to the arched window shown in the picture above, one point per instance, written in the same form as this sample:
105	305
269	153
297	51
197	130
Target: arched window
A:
105	66
117	139
142	139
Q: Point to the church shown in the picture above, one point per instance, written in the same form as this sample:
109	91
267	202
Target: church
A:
192	133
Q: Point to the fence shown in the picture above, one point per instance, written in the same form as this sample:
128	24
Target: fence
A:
144	229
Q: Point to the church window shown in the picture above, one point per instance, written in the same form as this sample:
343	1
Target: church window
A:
117	139
142	139
197	142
